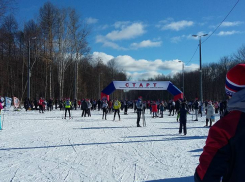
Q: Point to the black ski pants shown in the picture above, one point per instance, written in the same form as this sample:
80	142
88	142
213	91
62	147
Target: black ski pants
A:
69	110
104	113
182	124
138	117
116	111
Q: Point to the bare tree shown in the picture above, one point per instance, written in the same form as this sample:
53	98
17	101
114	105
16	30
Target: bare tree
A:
48	20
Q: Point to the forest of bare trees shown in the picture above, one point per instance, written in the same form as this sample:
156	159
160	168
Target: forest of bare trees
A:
55	50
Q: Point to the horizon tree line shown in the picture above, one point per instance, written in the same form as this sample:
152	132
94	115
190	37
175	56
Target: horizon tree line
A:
55	45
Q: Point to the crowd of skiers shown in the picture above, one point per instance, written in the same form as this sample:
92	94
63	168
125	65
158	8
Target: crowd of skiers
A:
156	108
179	108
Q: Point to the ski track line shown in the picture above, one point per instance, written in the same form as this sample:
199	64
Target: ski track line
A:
14	175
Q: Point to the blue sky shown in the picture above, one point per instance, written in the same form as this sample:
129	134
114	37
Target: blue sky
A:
148	37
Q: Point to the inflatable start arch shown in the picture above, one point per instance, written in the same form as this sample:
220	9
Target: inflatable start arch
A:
142	85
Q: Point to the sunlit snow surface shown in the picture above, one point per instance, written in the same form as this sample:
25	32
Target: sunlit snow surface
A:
36	147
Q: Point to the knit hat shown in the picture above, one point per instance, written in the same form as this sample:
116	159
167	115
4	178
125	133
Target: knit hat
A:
235	79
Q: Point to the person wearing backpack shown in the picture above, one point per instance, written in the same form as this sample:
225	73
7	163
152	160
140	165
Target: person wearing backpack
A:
68	107
116	107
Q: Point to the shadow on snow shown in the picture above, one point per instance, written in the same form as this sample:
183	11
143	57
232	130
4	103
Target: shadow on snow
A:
103	143
181	179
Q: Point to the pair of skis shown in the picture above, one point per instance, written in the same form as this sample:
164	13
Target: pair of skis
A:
69	118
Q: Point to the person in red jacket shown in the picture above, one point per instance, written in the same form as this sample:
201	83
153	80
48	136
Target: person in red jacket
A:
154	109
223	156
40	104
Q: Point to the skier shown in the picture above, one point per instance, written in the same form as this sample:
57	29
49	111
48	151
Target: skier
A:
116	107
139	106
223	156
68	107
104	108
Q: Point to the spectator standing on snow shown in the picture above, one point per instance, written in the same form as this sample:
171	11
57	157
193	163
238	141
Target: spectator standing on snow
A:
183	118
75	104
172	107
200	108
89	108
84	108
154	109
210	113
223	155
139	107
161	109
56	103
40	104
110	106
116	107
27	104
125	106
99	104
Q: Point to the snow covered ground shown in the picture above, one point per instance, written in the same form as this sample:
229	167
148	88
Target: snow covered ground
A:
37	147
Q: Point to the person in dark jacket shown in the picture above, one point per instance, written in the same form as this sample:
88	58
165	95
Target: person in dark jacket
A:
139	106
27	103
182	118
84	107
223	156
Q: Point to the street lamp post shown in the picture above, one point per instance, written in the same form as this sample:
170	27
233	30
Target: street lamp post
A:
183	81
29	67
200	57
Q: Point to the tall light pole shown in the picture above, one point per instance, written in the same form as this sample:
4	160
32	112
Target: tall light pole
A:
200	57
183	81
29	67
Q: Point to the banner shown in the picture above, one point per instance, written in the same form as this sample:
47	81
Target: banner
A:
8	102
141	85
16	102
